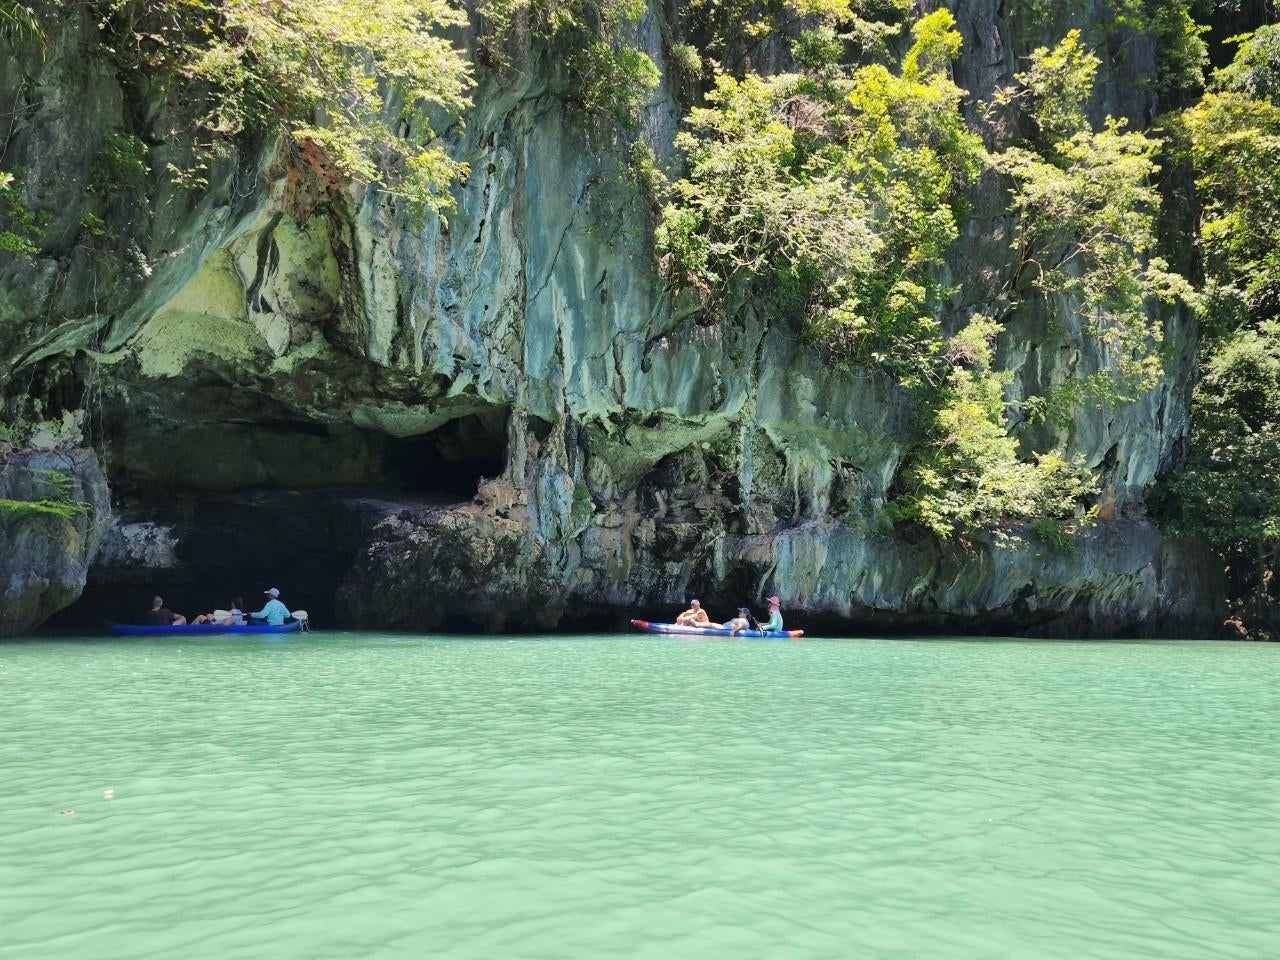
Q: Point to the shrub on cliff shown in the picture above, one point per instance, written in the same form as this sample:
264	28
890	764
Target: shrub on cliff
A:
967	473
1228	488
835	191
1086	207
610	75
322	73
834	194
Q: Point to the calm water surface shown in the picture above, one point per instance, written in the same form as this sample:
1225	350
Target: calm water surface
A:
360	796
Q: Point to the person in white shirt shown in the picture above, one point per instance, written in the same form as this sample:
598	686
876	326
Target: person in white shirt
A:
235	615
228	617
739	623
274	612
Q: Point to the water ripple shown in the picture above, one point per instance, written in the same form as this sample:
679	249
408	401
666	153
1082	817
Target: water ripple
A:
369	796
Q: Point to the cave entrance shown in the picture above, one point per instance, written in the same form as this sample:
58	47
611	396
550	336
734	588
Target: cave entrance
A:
451	462
253	504
153	463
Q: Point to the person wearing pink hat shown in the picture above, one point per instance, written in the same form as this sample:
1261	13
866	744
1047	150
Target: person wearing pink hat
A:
775	615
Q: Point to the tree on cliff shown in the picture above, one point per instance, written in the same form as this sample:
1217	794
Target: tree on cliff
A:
1228	489
351	84
834	194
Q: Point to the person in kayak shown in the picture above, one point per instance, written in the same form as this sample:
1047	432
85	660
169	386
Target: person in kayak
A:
274	612
775	615
230	617
162	616
739	623
695	616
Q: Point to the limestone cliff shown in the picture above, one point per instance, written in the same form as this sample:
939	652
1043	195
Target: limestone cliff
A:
508	421
44	555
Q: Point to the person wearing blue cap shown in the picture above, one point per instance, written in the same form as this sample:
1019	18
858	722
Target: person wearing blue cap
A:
739	623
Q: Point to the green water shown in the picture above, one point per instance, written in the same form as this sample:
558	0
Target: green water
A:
356	796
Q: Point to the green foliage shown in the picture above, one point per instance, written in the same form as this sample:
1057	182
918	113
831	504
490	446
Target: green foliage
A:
317	72
19	24
16	426
54	491
1228	488
1179	39
1255	71
730	32
1058	84
19	229
1180	45
687	59
24	424
614	80
1232	137
50	507
122	163
1181	51
611	76
819	49
1087	210
1235	145
968	474
834	194
646	172
1054	534
94	225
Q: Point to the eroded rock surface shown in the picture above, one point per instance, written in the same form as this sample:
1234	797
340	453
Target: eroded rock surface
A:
584	442
44	557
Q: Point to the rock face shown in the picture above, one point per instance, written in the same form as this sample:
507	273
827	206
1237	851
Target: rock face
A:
422	568
44	558
573	442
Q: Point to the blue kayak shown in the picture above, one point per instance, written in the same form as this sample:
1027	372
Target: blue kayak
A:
676	629
197	629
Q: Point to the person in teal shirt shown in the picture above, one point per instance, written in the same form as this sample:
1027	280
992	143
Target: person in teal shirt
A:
775	615
275	612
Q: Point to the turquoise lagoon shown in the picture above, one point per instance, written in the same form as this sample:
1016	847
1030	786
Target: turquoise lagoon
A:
377	796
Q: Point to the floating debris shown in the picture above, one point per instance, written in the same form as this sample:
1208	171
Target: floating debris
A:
65	813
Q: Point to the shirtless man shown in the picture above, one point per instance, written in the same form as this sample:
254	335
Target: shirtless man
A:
695	616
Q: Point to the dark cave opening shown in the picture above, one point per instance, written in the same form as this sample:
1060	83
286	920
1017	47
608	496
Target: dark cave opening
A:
149	463
244	506
450	462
